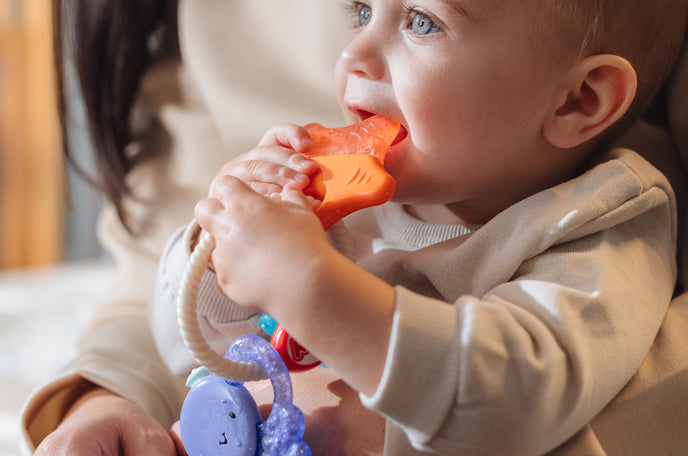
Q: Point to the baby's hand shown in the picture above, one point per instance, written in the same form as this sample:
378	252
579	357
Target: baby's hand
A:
275	163
265	246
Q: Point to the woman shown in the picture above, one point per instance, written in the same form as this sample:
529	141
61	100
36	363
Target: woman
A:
164	114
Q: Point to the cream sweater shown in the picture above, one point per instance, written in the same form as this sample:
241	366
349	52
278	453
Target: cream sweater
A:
243	71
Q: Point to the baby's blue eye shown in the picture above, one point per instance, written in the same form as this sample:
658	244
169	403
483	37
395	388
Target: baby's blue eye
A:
423	25
364	14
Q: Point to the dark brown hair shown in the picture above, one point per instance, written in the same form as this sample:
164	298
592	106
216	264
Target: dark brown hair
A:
114	41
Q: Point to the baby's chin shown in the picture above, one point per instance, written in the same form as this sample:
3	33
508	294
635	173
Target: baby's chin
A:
405	196
394	166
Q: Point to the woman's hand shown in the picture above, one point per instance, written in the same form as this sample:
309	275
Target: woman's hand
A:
102	423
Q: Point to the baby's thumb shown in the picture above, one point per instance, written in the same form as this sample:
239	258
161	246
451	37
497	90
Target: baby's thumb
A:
295	196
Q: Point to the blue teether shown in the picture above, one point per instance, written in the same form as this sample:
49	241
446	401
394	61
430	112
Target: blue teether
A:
220	417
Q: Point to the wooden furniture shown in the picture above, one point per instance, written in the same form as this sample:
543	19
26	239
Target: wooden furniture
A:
31	171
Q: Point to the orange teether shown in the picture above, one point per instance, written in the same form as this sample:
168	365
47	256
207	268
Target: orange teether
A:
351	174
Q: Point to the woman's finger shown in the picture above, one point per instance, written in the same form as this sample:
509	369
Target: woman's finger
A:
176	435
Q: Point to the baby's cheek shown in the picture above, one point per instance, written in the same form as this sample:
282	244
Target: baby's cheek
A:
340	81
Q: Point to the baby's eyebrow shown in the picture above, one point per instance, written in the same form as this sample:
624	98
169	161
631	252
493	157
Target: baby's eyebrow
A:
459	8
456	5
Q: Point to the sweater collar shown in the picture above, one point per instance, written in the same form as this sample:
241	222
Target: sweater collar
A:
397	225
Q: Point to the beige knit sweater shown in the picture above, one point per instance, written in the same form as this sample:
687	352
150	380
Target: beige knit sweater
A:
507	338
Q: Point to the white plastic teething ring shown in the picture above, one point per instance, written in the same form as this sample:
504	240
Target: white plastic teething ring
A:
188	319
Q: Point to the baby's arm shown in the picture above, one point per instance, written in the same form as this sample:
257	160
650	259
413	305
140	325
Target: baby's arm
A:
273	256
544	340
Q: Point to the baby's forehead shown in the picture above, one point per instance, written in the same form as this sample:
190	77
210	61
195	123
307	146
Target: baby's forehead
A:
484	9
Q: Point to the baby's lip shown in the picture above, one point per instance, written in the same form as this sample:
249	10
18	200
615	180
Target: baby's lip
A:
362	113
403	133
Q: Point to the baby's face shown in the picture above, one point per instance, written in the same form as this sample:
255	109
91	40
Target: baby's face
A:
470	80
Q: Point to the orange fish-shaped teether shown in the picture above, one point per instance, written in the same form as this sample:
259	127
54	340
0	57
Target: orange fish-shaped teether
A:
351	174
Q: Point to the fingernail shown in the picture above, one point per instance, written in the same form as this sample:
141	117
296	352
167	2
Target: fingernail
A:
303	164
307	142
302	179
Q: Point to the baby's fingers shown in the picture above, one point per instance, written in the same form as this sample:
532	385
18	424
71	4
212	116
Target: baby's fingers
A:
295	196
267	169
231	195
206	212
291	136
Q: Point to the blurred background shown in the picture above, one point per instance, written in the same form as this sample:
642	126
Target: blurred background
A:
52	271
39	225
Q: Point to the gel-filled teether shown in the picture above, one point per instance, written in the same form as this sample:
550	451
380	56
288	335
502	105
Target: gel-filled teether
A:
219	416
351	177
371	136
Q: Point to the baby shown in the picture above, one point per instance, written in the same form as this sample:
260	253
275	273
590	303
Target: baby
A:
519	276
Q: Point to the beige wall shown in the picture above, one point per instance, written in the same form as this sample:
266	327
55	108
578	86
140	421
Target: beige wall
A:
31	172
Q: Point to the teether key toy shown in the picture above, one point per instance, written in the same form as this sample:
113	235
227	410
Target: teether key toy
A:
219	416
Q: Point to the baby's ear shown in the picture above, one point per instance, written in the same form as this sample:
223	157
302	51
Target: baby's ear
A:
600	90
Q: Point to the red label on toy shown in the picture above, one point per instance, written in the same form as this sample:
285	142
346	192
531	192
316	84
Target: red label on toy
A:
295	356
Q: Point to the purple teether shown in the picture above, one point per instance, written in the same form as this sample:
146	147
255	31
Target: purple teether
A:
220	417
